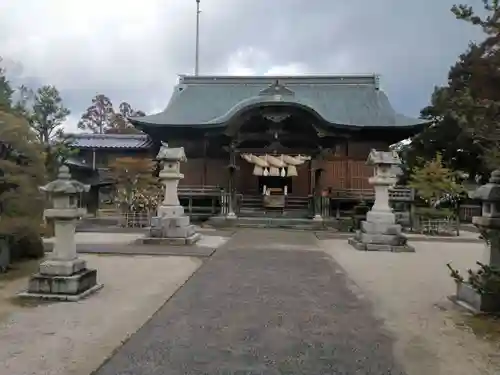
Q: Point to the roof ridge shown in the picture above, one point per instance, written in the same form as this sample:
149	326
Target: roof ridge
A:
345	79
108	135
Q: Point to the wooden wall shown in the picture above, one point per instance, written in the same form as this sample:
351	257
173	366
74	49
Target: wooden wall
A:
345	174
104	157
204	171
346	170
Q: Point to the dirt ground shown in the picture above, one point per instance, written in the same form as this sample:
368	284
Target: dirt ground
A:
11	283
410	292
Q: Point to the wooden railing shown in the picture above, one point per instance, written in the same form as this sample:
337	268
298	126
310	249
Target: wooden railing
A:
187	190
200	201
320	206
225	201
399	193
468	211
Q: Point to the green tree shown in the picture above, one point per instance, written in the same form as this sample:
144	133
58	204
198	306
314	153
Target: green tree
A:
5	91
434	182
21	172
465	111
437	138
46	114
475	103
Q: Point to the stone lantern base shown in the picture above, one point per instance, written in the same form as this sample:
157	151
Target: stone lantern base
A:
475	302
380	236
62	280
171	228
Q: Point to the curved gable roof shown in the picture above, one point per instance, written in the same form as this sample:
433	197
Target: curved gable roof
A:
338	100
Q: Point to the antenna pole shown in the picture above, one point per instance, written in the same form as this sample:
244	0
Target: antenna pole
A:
197	54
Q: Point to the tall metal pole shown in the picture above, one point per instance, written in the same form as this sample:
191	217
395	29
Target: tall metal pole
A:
197	56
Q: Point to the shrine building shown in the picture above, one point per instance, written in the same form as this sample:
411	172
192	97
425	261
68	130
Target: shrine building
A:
289	137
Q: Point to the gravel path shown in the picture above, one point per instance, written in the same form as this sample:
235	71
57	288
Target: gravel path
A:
74	338
267	303
410	294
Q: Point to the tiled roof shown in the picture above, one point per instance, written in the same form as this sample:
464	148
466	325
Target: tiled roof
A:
353	101
122	141
73	162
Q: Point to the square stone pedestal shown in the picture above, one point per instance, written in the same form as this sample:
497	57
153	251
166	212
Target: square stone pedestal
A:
173	228
62	280
475	302
380	236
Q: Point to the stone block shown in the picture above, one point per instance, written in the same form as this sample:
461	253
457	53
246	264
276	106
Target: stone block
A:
381	217
156	232
57	267
191	240
172	241
181	232
403	249
470	299
156	222
383	239
170	211
66	285
356	244
180	221
380	228
359	245
377	247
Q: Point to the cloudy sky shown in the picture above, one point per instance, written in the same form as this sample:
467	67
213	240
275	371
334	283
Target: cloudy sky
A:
133	50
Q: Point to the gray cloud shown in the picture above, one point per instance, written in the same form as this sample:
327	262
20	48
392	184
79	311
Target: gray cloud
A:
134	53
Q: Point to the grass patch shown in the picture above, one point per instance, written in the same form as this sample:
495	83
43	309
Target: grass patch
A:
19	270
13	282
486	327
28	302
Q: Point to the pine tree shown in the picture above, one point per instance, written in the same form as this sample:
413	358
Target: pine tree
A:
465	111
101	117
45	112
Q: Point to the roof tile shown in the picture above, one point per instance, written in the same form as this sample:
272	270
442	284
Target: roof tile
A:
342	100
115	141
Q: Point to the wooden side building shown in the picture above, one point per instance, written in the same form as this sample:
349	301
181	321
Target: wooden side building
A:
95	153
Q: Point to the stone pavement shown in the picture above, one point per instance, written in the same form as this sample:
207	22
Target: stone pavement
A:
268	302
126	244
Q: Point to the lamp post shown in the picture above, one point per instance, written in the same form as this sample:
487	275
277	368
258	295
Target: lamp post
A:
197	51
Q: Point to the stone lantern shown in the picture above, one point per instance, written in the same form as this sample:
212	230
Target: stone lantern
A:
380	231
489	221
63	276
489	195
489	225
171	226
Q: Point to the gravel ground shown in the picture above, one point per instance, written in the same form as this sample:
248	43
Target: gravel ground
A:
410	293
269	302
105	238
75	338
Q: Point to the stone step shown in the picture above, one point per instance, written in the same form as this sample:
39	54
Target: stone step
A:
275	214
288	206
273	222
